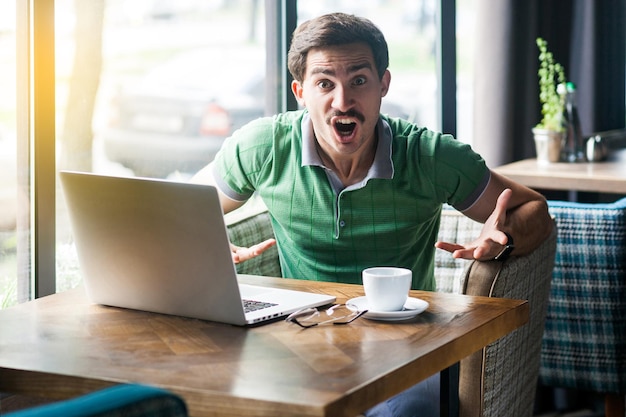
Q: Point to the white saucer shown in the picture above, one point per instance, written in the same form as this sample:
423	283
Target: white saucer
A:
412	308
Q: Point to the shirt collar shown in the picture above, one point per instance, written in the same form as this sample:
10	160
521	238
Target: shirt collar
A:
382	167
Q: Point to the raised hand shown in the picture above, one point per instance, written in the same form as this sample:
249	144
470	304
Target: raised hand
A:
491	239
241	254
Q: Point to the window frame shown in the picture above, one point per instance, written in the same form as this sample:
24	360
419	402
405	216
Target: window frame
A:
35	105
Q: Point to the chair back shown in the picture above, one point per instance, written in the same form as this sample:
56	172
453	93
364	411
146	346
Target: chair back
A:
250	231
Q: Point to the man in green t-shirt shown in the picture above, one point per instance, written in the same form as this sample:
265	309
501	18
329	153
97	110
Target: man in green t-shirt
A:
348	188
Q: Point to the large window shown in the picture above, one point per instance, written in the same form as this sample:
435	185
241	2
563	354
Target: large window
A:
9	210
151	88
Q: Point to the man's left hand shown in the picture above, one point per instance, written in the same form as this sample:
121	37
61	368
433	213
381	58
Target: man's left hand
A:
492	237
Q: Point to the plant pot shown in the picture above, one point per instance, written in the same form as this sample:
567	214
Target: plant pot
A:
548	144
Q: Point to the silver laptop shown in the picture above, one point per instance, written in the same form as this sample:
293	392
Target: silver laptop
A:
162	246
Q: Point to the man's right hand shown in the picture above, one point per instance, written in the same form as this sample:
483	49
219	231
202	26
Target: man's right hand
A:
241	254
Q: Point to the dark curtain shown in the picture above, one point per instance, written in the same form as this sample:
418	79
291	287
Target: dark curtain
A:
587	37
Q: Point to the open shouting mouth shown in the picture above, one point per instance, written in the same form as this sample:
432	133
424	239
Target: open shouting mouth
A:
345	124
345	127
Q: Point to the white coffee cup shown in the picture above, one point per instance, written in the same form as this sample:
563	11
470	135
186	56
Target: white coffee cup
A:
386	288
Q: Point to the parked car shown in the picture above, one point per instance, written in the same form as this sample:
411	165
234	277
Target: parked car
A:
176	118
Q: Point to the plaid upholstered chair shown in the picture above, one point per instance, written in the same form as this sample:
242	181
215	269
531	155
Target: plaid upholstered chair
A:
499	380
584	344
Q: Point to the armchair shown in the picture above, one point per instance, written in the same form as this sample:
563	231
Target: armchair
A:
584	344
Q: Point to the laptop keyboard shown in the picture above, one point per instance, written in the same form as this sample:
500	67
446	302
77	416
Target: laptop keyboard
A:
252	305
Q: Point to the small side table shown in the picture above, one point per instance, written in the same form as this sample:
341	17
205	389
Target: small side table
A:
604	177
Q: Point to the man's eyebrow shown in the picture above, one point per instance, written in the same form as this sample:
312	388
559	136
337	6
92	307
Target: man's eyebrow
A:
358	67
351	69
321	70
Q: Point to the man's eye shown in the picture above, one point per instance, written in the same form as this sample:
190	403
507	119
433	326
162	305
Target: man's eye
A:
324	84
359	81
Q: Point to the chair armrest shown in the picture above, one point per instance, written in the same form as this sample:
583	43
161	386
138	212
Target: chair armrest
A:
501	378
129	400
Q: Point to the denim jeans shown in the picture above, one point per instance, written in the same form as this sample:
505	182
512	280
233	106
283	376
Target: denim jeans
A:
421	400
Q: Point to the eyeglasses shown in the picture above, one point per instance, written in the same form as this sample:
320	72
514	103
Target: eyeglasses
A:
335	314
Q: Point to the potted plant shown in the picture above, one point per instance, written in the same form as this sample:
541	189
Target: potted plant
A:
549	133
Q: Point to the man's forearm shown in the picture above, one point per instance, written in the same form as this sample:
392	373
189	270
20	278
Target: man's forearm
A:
529	224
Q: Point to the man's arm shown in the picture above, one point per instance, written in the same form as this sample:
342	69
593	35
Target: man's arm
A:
205	176
239	253
505	206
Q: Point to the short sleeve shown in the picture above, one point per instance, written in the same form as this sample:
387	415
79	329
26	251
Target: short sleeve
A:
456	172
242	157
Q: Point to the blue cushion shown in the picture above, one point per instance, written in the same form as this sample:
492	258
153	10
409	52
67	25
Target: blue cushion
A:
129	400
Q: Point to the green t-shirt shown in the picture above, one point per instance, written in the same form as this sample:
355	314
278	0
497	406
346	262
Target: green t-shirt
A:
326	233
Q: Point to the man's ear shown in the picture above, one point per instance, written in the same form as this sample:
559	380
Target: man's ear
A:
385	82
296	88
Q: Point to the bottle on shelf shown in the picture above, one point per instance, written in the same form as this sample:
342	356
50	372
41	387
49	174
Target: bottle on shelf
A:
574	146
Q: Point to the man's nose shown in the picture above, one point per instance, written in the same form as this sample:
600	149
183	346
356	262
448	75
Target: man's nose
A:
343	98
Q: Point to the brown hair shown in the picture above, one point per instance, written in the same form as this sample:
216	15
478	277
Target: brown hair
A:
335	29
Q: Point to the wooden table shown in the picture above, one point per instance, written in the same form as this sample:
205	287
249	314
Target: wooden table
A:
61	346
603	177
